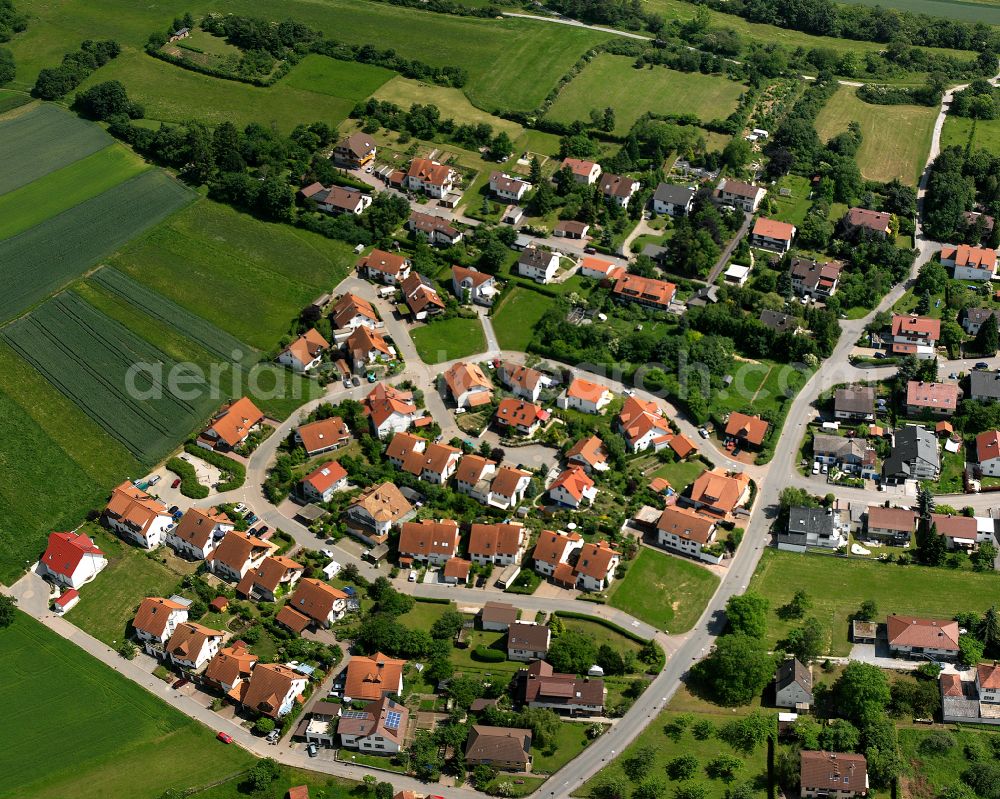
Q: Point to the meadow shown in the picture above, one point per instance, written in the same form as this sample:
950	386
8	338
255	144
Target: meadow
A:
613	81
448	339
61	190
837	586
987	11
516	316
897	138
324	75
978	133
124	740
10	100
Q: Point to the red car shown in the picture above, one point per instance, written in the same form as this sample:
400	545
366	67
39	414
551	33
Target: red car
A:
225	737
176	483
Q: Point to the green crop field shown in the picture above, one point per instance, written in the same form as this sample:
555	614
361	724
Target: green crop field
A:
897	138
979	133
518	313
61	190
71	242
10	100
251	278
43	139
612	80
89	357
959	10
124	741
448	339
837	586
350	81
682	589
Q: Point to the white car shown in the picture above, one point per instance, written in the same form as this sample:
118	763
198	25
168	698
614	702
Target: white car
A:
327	553
815	467
241	508
412	577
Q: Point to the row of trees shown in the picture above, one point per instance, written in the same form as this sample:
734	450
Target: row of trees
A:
11	21
959	181
54	83
980	100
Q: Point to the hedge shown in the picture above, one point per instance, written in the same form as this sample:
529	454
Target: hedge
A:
487	655
236	471
570	614
190	487
432	600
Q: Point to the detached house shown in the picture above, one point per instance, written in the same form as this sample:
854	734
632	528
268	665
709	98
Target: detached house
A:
230	667
275	573
646	291
686	532
337	199
970	263
198	532
305	353
379	729
351	311
988	453
644	425
812	279
959	532
192	645
71	560
436	180
590	454
499	544
372	515
323	435
468	385
508	188
473	476
503	748
236	554
618	188
928	639
673	200
971	319
832	775
522	381
384	267
594	569
231	425
365	347
539	686
527	641
508	488
429	542
553	550
937	399
812	527
438	230
915	335
718	492
272	690
374	677
749	431
323	482
793	685
425	460
320	603
914	456
156	620
497	616
875	223
520	417
585	172
586	396
600	269
894	525
984	386
537	264
738	194
572	488
137	517
570	229
421	297
355	151
473	286
771	234
856	403
390	409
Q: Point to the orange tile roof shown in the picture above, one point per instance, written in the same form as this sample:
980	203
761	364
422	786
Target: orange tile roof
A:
371	677
519	412
638	417
428	537
950	526
574	481
988	445
821	770
327	475
682	445
195	526
458	568
429	171
230	664
916	326
315	599
349	306
154	613
519	376
687	524
718	489
989	676
749	428
489	540
323	434
308	346
579	167
188	639
598	265
362	341
416	454
586	390
506	480
383	401
964	255
292	619
382	261
926	633
268	685
477	278
551	547
773	229
471	468
645	289
384	503
236	548
419	294
943	396
133	505
591	450
462	377
595	560
234	421
891	518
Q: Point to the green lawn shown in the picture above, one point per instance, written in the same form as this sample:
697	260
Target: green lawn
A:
758	386
934	770
602	634
570	742
660	735
981	133
344	79
125	741
517	315
896	139
321	786
423	614
792	209
447	339
10	100
680	474
682	590
613	81
952	469
837	586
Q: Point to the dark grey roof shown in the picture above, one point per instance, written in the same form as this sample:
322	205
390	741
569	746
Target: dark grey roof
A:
668	193
533	256
855	399
979	315
984	384
912	444
791	671
781	322
810	520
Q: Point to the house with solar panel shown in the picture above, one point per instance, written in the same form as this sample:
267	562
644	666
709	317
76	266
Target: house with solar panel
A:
379	728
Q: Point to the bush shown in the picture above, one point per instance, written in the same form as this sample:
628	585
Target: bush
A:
263	725
190	487
486	655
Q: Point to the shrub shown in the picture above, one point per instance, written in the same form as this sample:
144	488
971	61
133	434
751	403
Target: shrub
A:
190	487
486	655
263	725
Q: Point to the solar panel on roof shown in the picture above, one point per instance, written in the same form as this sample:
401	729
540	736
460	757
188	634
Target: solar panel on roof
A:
354	714
392	719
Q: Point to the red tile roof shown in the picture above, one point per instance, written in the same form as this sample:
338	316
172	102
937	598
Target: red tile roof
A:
751	429
964	255
873	220
574	481
489	540
773	229
988	445
66	550
426	537
645	289
323	434
519	412
382	261
326	476
943	396
922	326
372	677
686	524
927	633
234	421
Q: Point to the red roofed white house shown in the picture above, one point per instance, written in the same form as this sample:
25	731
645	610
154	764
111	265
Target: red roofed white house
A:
428	176
71	559
470	285
231	425
970	263
910	636
508	187
390	409
306	352
586	172
135	515
366	346
594	569
938	399
687	532
915	335
523	417
192	645
988	452
554	549
66	601
876	222
572	488
197	533
586	396
738	194
772	234
323	435
499	544
988	682
426	460
468	385
619	188
421	296
646	291
599	268
644	425
155	621
321	484
385	267
428	541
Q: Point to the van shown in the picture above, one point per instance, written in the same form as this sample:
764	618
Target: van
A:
815	467
155	479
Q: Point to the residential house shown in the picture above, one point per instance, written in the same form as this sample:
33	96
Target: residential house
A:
779	322
322	604
689	533
323	435
456	571
813	279
922	639
355	151
384	267
988	682
594	569
373	678
539	686
499	544
272	690
892	525
971	319
876	223
380	728
599	268
468	386
275	574
236	554
502	748
421	297
570	229
231	425
527	641
737	274
520	417
337	199
365	346
522	381
673	200
988	453
512	215
198	532
156	620
554	550
959	532
971	697
507	187
230	667
192	645
390	409
180	33
937	399
376	510
586	396
854	403
984	386
618	188
812	527
438	230
436	180
429	542
137	517
71	560
590	454
538	264
508	487
718	492
306	352
572	488
749	431
473	476
914	456
473	286
771	234
970	263
738	194
646	291
586	172
832	775
850	454
644	425
793	685
497	616
425	460
351	311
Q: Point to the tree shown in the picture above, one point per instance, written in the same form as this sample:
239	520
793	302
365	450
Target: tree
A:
868	610
638	764
931	546
447	625
988	338
748	733
747	613
7	66
612	786
861	692
983	558
989	630
682	767
970	650
263	773
736	670
263	725
797	606
881	750
806	642
384	790
736	154
650	788
501	146
839	736
106	100
535	171
572	653
544	199
128	650
608	120
724	767
8	608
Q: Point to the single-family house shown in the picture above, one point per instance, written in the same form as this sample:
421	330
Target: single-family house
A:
502	748
436	180
456	571
231	425
793	685
421	297
590	454
779	322
718	492
438	230
813	279
891	525
473	476
375	511
373	678
429	542
507	187
426	460
959	532
538	264
468	385
915	335
391	410
570	229
922	639
322	604
689	533
770	234
539	686
936	399
323	482
673	200
306	352
749	431
520	417
231	666
380	728
854	403
198	532
384	267
643	425
599	268
137	517
586	172
351	311
523	381
988	453
812	527
499	544
832	775
984	386
914	456
850	454
594	569
355	151
473	286
618	188
236	554
337	199
508	487
988	682
572	488
192	645
71	560
527	641
156	620
275	574
874	223
497	616
646	291
738	194
272	690
553	550
586	396
323	435
971	319
970	263
365	346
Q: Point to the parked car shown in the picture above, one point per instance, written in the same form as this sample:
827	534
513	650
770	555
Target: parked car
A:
273	736
253	518
155	479
172	510
411	577
176	483
347	381
326	553
982	365
180	683
356	380
312	749
252	531
702	432
262	529
815	467
240	508
225	737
